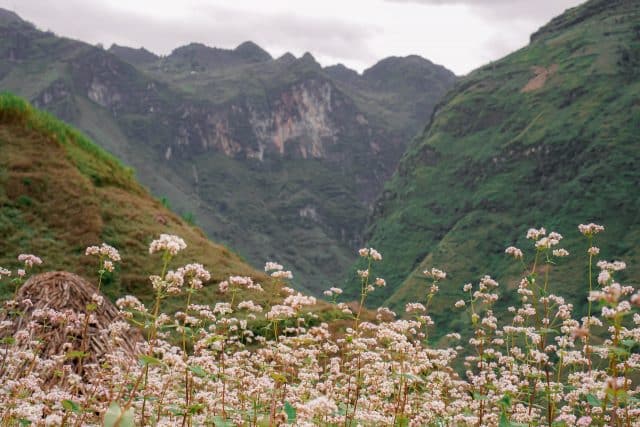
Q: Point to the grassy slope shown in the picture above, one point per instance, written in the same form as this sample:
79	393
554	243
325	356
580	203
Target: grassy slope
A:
496	161
60	193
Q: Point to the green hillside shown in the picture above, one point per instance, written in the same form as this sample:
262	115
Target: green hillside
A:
60	193
547	136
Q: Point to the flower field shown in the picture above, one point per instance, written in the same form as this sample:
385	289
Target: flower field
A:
239	363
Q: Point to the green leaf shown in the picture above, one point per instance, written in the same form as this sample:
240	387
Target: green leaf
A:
619	351
198	370
505	401
402	421
291	413
24	422
149	360
76	354
478	396
70	406
115	417
504	421
196	408
218	421
593	400
112	416
279	378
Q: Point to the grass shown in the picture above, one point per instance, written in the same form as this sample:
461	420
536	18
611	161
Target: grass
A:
59	193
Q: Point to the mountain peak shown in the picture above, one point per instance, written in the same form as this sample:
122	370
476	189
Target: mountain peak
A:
133	56
251	51
8	17
578	14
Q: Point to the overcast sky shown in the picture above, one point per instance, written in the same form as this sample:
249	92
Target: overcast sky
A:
459	34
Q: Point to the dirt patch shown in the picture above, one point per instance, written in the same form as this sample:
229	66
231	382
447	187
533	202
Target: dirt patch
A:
541	76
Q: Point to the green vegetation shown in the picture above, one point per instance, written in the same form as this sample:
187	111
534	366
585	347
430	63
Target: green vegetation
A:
506	151
60	193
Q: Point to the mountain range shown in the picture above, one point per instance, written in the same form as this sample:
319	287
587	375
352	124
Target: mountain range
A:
281	159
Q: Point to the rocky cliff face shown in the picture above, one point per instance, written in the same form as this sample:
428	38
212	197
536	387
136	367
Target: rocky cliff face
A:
279	158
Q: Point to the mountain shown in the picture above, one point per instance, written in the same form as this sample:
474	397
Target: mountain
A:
547	136
60	193
279	158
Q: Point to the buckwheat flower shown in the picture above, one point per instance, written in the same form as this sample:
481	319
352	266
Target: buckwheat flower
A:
467	287
590	229
98	300
534	234
435	274
223	286
459	304
384	313
514	252
167	243
271	266
29	260
555	238
336	291
544	243
250	306
593	251
195	275
414	306
584	421
131	302
560	252
104	250
604	277
363	273
280	312
108	265
380	282
364	252
282	274
327	293
4	272
298	301
375	255
174	281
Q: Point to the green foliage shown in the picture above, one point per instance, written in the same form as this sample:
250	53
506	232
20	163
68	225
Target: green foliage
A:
498	159
118	417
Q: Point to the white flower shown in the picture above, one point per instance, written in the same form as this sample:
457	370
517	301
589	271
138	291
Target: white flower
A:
514	252
435	274
167	243
29	260
590	229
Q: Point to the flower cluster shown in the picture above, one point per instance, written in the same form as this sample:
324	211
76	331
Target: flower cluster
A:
167	243
236	362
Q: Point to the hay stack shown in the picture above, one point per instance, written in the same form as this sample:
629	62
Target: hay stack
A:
67	293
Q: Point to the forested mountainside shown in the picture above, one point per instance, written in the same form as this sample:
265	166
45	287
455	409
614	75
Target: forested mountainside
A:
279	158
